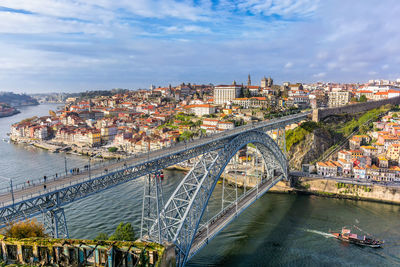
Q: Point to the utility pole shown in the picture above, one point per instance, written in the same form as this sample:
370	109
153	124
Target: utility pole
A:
89	169
11	188
12	191
65	165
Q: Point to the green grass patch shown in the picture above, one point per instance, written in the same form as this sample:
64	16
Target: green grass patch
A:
298	134
373	115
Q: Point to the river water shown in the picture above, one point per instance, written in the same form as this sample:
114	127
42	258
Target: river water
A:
277	230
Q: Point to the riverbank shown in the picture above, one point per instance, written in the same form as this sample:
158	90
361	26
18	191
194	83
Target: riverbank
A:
9	112
322	187
72	149
332	189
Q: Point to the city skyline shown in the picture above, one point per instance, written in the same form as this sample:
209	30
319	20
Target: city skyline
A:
132	44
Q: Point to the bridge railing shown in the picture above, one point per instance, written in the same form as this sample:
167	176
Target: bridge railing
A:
60	175
52	188
239	208
245	193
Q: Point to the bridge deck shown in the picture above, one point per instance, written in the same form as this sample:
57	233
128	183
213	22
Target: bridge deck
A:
218	223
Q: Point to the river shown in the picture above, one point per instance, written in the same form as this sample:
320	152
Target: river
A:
277	230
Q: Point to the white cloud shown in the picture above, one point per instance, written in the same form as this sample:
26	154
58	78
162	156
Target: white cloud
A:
135	39
188	29
61	8
286	8
319	75
18	23
288	65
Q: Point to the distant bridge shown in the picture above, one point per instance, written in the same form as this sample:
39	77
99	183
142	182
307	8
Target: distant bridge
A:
179	220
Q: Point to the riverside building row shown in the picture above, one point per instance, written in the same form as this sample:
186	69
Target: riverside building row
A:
374	156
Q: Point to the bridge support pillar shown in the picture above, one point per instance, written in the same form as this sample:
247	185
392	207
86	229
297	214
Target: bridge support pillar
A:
55	223
152	205
293	181
281	139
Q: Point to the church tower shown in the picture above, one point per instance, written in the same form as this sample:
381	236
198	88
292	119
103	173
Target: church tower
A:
264	82
270	82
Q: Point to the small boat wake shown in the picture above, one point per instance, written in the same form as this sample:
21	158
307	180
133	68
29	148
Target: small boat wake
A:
326	235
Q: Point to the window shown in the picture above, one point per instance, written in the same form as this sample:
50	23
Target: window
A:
12	252
27	254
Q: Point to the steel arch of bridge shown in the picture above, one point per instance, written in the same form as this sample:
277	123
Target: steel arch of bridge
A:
179	220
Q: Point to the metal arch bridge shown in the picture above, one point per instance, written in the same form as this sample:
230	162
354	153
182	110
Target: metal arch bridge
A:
215	150
178	221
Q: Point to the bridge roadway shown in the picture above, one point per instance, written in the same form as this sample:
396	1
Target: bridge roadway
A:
207	232
64	190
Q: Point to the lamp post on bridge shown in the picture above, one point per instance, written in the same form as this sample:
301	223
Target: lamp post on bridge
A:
65	165
11	187
89	168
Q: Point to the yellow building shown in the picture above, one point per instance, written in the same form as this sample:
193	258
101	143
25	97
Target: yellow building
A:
227	111
183	128
393	152
94	138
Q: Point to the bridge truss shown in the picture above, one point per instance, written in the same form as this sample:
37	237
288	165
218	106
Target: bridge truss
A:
179	220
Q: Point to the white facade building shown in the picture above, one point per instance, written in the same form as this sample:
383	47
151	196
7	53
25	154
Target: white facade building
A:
202	109
339	98
225	93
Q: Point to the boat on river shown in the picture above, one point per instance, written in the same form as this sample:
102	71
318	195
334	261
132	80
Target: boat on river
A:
362	240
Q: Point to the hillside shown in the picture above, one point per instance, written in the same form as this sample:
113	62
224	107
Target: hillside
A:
306	143
310	141
15	100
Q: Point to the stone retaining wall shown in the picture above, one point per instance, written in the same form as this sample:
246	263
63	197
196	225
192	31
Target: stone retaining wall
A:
321	113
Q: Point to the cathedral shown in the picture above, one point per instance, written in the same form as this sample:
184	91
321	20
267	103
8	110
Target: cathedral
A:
266	82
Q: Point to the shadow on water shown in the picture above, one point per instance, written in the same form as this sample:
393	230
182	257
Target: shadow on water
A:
273	218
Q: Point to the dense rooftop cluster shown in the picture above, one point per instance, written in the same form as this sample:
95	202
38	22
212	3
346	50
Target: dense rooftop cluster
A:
374	156
143	120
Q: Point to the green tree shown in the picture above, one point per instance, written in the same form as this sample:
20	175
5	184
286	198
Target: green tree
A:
186	135
101	236
198	123
124	232
364	129
363	98
246	92
112	149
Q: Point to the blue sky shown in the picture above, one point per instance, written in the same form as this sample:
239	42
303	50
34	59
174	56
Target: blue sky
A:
75	45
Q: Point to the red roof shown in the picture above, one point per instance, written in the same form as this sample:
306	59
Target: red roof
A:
382	93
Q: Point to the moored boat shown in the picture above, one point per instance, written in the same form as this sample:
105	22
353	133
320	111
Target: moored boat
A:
361	240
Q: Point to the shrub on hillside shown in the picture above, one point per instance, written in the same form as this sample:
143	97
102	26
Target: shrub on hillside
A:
25	229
